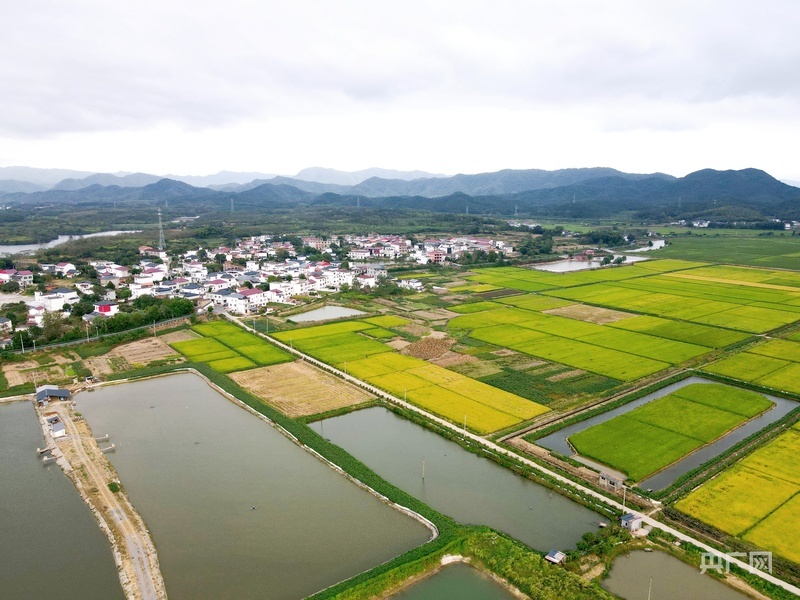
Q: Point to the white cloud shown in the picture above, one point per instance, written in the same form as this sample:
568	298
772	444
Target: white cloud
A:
445	86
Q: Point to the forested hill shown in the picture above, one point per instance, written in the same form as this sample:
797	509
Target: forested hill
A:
748	194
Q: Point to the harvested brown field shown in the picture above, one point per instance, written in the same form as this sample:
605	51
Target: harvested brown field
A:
13	372
432	346
180	336
142	352
398	344
565	375
297	389
524	366
98	365
415	329
504	352
386	302
451	359
590	314
437	314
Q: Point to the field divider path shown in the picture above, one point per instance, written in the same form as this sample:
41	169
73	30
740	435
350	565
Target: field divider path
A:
529	463
133	548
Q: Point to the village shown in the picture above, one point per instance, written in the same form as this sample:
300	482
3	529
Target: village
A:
258	274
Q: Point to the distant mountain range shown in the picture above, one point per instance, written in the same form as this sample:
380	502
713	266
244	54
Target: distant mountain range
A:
30	179
568	193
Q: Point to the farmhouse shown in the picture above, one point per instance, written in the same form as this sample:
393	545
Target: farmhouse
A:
632	522
46	393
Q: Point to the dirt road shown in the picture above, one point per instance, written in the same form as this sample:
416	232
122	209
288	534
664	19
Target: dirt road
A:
91	472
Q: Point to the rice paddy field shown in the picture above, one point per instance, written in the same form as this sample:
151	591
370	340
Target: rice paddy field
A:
775	365
451	395
629	322
758	499
659	433
228	348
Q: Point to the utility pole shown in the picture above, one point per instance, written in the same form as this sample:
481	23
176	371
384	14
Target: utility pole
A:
161	243
22	342
423	468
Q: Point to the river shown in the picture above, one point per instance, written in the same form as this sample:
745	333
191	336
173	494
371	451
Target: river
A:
467	487
235	508
51	545
17	248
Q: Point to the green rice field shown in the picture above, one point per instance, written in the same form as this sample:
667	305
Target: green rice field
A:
228	348
659	433
775	364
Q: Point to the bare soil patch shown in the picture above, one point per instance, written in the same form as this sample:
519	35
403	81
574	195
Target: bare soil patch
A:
590	314
565	375
527	365
98	365
432	346
415	329
385	302
398	344
14	375
503	352
437	314
180	336
142	352
297	389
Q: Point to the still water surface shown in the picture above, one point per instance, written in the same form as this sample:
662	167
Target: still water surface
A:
50	543
672	579
195	465
469	488
326	313
455	582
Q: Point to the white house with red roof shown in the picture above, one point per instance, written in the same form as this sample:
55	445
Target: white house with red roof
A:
66	269
106	309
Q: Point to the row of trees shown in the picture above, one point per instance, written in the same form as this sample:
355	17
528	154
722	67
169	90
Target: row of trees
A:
144	311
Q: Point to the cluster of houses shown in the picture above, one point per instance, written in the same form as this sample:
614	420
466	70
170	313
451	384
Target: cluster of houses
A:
23	278
375	246
257	272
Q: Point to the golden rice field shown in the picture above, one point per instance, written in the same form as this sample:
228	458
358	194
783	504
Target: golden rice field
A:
758	499
446	393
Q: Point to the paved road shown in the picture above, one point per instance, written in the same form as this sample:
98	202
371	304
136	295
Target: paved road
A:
500	450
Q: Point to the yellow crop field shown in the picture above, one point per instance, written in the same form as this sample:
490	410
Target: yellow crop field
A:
434	374
737	499
780	531
758	499
398	383
496	398
456	408
487	408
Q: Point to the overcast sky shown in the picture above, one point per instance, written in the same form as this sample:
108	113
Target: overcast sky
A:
195	87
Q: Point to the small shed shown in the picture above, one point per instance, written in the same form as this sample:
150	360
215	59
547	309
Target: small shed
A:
609	481
58	430
556	557
632	522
